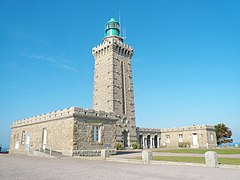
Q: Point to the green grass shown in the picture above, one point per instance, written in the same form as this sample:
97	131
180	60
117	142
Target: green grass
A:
179	159
232	161
201	151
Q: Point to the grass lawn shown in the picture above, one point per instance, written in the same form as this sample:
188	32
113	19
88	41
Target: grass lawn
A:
179	159
231	161
201	151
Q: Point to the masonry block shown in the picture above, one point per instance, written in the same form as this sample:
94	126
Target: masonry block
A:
146	156
211	159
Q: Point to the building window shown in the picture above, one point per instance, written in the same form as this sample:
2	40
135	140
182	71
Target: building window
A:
167	138
211	135
180	138
96	133
23	137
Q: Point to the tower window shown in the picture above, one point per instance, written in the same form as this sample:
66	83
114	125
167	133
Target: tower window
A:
123	89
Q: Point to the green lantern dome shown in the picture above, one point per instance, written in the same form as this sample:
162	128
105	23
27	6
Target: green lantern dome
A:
112	28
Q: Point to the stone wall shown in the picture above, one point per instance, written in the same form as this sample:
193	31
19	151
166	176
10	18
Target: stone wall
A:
67	130
113	85
59	136
96	152
83	144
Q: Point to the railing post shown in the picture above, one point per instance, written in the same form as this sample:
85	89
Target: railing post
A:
103	154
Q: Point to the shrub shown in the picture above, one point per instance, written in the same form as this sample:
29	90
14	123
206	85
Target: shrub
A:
136	146
119	146
184	144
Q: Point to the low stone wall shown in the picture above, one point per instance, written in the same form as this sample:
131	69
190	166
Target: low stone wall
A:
93	152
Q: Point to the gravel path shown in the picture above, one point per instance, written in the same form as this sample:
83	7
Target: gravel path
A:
26	167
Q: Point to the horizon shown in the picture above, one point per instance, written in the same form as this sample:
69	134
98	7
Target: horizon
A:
185	65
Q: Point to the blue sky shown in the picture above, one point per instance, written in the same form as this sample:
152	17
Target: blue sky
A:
186	66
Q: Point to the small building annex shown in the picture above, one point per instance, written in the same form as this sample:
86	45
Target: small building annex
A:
72	132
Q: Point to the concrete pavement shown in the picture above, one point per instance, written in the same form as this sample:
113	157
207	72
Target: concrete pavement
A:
26	167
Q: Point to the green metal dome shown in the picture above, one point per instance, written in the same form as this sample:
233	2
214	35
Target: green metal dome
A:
112	28
112	20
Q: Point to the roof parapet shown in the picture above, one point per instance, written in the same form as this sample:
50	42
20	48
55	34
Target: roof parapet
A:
59	114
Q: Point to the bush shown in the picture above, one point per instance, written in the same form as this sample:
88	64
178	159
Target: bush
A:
184	144
119	146
136	146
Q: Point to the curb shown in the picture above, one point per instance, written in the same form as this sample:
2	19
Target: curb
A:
170	163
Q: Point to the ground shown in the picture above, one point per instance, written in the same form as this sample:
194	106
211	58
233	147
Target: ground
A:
26	167
226	156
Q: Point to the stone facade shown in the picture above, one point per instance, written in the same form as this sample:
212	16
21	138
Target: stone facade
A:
68	131
113	86
190	136
83	133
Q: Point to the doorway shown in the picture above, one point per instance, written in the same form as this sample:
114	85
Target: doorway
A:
125	138
195	139
141	141
148	141
155	141
44	137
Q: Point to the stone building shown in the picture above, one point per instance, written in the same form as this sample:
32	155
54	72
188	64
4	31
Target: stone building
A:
72	132
202	136
84	132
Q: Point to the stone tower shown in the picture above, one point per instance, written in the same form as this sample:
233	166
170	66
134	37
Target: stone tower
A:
113	86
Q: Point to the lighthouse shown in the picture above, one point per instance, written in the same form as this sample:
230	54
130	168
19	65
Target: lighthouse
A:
113	85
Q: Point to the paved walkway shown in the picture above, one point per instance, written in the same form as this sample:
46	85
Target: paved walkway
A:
26	167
